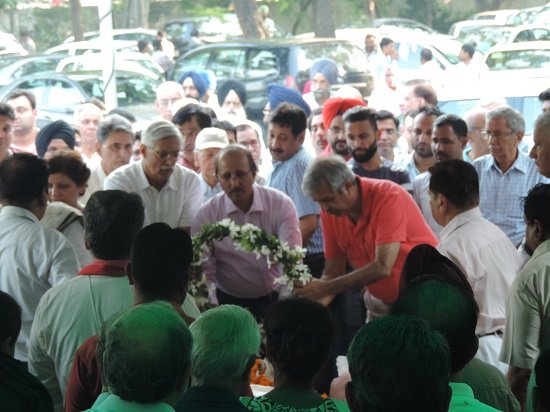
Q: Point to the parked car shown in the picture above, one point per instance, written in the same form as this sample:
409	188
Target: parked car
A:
58	94
120	34
10	46
402	24
78	48
258	63
497	16
12	68
486	37
462	28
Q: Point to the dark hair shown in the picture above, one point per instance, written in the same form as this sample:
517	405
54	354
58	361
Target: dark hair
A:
289	115
385	114
71	164
23	178
457	124
112	219
385	41
448	310
236	148
190	111
224	125
25	93
545	95
458	181
11	317
426	54
428	111
427	92
542	380
468	49
7	111
535	206
160	258
124	113
359	114
299	334
315	112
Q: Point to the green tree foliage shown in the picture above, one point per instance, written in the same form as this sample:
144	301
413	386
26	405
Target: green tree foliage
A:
7	4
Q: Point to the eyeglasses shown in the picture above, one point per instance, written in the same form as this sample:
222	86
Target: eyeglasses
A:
251	143
495	135
165	155
240	174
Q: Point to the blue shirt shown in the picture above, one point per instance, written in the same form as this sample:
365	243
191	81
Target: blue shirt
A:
501	193
287	176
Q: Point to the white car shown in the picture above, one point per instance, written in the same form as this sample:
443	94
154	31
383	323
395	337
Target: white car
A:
497	16
10	46
486	37
78	48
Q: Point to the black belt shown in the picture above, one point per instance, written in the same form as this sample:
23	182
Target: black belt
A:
499	332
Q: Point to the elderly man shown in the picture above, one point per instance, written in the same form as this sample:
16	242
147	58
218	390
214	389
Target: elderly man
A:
232	98
112	220
249	135
449	137
323	74
115	139
541	148
478	247
169	95
226	340
7	117
190	120
506	174
370	224
170	193
287	128
477	142
333	120
24	127
388	363
239	277
86	118
138	377
527	332
58	135
32	258
209	142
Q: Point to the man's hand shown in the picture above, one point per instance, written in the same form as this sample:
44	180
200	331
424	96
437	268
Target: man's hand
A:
314	290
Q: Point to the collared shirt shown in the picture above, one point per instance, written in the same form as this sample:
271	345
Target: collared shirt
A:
108	402
500	193
239	273
410	166
33	258
175	204
388	170
420	190
287	177
488	259
100	291
527	332
92	162
95	183
207	398
389	215
462	400
209	191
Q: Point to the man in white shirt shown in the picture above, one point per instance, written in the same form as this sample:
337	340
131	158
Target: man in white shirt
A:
32	258
86	118
170	193
478	247
115	139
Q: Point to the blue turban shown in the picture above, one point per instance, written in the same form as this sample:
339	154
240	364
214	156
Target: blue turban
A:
198	81
55	130
277	94
235	85
326	67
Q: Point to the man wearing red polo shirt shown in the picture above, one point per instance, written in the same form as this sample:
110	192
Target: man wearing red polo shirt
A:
369	224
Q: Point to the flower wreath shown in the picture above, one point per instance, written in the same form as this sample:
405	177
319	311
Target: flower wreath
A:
248	238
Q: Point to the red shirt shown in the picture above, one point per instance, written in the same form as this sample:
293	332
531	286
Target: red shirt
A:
389	215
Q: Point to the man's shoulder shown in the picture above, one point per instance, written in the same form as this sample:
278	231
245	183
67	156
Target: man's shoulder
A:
271	194
124	175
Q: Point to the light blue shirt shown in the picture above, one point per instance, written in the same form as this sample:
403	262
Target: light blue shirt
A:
501	192
408	164
208	192
287	176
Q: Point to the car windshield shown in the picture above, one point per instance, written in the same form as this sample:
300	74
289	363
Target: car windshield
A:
348	57
519	59
449	49
131	89
486	37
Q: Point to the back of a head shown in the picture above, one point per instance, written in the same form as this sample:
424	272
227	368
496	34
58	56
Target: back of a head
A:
330	170
299	333
146	353
398	363
112	219
469	49
535	207
23	179
458	181
427	92
11	323
160	259
225	342
447	309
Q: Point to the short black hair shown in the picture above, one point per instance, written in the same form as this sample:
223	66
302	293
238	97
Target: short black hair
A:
289	115
23	179
427	92
458	181
545	95
428	111
386	114
71	164
459	126
315	112
426	54
535	207
385	41
224	125
359	114
7	111
468	49
190	111
112	219
11	317
161	257
142	45
124	113
25	93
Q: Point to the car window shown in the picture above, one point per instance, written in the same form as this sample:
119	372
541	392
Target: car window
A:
261	64
518	59
36	86
196	61
228	63
524	35
541	34
62	95
408	55
39	66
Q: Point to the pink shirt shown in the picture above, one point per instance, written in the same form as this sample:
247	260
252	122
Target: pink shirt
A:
239	273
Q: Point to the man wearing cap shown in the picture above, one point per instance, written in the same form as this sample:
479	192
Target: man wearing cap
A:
171	193
209	142
323	74
232	98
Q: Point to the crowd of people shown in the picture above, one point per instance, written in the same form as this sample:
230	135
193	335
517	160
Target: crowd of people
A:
427	235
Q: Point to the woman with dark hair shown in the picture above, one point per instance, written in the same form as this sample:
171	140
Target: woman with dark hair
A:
67	181
299	334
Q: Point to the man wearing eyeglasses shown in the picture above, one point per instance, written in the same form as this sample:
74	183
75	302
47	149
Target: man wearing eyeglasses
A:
239	277
505	174
171	193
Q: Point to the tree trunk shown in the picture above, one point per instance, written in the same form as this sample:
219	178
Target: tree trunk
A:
323	18
247	12
77	20
137	13
370	9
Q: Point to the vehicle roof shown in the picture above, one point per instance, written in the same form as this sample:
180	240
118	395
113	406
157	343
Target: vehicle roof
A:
526	45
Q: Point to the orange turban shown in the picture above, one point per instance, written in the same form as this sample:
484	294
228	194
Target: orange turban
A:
337	106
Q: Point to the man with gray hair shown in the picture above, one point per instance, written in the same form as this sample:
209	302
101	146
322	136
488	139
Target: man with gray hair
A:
477	140
86	119
115	138
226	340
146	358
541	148
170	193
506	174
